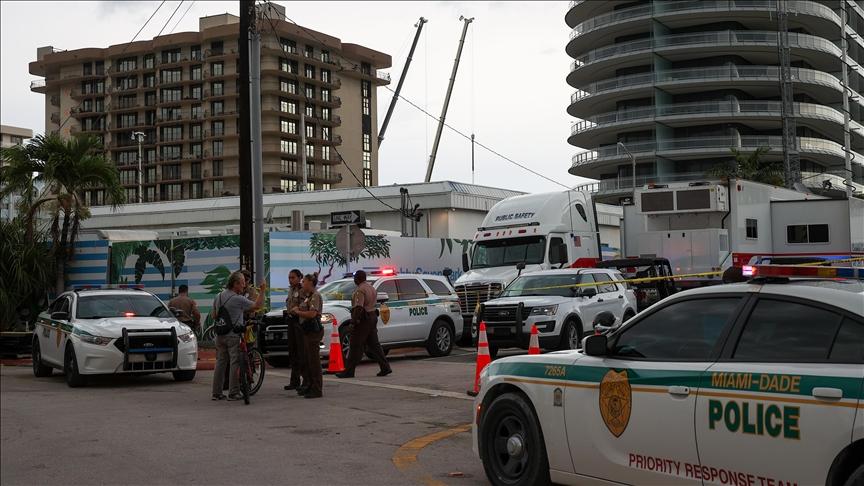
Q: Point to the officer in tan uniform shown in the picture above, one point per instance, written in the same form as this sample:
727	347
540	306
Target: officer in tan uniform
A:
295	333
191	316
309	312
365	332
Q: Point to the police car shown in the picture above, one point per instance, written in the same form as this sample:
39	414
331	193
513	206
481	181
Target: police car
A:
563	304
415	310
759	383
104	331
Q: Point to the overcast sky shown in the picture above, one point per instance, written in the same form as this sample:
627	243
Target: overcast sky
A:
510	90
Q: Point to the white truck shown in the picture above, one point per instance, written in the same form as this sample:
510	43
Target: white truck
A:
532	232
708	226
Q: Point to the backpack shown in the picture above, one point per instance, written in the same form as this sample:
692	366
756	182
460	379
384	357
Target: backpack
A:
223	323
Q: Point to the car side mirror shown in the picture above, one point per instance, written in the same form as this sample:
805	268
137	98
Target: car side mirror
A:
383	297
465	266
588	292
595	345
60	316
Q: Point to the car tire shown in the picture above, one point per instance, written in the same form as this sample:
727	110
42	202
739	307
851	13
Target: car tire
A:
469	335
345	341
627	316
856	478
279	361
511	443
70	366
39	369
571	336
440	341
183	375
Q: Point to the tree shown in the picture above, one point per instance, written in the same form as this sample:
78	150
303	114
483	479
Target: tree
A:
52	173
751	167
29	265
322	247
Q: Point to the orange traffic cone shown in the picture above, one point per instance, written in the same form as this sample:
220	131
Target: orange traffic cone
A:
534	343
335	363
483	358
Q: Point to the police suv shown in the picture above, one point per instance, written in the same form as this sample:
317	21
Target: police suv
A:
759	383
561	303
414	310
95	331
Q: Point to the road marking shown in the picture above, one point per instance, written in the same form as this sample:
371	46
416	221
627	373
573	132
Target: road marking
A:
405	458
413	389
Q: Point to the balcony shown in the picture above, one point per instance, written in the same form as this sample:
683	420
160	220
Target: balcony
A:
38	85
624	185
78	94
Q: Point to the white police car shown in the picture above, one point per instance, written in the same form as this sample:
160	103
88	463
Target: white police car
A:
561	303
749	384
94	331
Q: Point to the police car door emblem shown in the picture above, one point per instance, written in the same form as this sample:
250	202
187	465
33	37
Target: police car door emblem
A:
385	313
615	401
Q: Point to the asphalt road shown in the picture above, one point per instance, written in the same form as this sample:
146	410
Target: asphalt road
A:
407	428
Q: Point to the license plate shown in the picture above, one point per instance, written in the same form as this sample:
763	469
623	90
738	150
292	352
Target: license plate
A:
276	335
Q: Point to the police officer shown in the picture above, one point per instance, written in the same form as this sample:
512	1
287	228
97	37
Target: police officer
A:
295	333
191	316
365	332
309	313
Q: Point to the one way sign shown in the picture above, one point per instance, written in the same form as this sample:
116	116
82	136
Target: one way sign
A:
345	218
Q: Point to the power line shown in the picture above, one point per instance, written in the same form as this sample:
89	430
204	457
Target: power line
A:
169	18
182	16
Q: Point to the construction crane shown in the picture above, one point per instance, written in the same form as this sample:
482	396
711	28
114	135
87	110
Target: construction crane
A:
791	157
447	99
419	26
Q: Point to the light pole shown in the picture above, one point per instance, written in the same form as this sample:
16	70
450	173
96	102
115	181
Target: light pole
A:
139	136
632	165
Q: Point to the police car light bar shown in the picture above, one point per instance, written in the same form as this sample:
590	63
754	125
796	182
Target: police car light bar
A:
381	272
108	287
802	271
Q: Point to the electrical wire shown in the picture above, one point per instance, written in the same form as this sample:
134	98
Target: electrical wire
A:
169	18
182	16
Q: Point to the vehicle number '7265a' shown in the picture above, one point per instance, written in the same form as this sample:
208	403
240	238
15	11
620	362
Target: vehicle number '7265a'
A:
557	371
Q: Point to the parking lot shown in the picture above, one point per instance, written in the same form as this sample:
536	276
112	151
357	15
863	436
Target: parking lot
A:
408	428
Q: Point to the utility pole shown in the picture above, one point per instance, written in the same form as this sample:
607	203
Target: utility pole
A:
247	255
139	136
419	26
472	158
791	158
447	99
847	142
257	152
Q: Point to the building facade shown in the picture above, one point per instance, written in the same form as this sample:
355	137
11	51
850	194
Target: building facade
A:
9	137
181	92
678	83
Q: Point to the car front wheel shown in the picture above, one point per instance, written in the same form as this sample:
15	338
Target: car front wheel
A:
440	341
511	443
183	375
571	337
70	366
39	369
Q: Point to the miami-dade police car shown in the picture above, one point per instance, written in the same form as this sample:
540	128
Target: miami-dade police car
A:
93	332
746	384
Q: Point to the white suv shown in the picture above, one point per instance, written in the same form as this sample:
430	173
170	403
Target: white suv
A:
563	310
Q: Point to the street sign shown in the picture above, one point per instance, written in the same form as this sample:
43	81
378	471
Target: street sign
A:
343	218
350	241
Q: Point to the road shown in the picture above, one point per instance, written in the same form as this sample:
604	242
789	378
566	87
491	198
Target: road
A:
407	428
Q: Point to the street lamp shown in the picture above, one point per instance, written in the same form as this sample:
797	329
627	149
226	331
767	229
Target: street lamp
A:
632	165
139	136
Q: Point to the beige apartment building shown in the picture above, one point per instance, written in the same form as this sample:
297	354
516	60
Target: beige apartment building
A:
181	91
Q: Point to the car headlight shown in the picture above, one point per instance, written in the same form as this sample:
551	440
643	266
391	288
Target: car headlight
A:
186	337
546	310
89	338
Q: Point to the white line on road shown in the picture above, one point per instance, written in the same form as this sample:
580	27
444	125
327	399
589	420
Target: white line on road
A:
413	389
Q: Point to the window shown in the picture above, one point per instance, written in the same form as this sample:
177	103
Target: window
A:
197	112
216	48
310	171
602	277
131	194
325	172
325	75
325	152
288	147
196	190
287	66
217	88
288	166
751	229
196	53
171	152
309	91
807	233
367	160
217	168
410	289
171	134
195	73
310	51
288	126
218	187
310	131
309	71
218	128
149	61
286	86
325	133
325	94
128	177
150	193
196	131
87	69
170	172
325	56
217	68
310	186
127	64
218	146
437	287
367	177
286	106
325	113
288	185
683	331
196	170
217	107
557	250
581	210
195	92
325	186
196	150
367	147
783	331
150	81
288	45
389	288
171	75
849	343
310	111
173	94
171	192
170	56
150	99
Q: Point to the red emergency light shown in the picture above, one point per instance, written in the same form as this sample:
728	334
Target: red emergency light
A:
128	314
388	271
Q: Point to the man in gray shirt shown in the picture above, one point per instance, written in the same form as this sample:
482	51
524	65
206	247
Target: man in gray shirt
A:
228	345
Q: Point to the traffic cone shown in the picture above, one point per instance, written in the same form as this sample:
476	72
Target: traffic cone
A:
335	363
483	358
534	343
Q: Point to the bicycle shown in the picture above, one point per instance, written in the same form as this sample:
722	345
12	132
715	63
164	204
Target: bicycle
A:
252	366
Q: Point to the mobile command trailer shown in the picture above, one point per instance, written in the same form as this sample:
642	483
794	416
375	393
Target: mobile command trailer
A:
703	227
542	231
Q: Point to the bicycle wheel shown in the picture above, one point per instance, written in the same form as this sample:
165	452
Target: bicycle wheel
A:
244	378
256	367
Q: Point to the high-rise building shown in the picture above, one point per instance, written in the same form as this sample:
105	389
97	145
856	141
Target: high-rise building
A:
10	137
181	91
677	84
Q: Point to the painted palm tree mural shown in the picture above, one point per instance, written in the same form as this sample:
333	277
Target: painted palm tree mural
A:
448	244
322	248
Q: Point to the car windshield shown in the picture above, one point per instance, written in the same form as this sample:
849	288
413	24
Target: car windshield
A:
528	285
132	305
339	290
510	251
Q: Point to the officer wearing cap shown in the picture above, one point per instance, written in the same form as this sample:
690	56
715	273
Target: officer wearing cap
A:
364	336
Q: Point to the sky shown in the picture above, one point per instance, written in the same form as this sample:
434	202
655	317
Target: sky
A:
510	90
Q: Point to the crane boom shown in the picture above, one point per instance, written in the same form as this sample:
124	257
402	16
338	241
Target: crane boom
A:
419	26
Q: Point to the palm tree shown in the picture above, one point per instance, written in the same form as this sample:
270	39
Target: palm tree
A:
751	167
29	267
53	173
